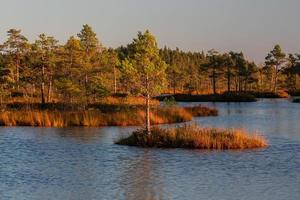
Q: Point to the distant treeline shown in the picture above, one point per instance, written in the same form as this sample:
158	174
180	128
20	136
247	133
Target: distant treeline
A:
83	70
214	72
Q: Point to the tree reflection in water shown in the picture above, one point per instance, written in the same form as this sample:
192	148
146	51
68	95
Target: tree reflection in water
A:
80	134
140	178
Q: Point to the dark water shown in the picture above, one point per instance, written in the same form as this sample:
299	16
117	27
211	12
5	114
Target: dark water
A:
83	163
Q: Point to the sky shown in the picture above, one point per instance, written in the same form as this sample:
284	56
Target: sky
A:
251	26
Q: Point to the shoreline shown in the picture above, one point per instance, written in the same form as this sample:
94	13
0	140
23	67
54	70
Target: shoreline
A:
234	97
131	116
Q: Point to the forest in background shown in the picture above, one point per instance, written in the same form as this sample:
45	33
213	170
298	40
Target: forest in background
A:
84	71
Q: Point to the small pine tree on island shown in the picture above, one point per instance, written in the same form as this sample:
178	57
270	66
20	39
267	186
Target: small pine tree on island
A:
145	70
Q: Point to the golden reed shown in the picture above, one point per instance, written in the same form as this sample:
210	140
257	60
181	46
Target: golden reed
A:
92	118
195	137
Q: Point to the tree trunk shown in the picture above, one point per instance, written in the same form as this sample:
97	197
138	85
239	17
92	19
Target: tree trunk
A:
148	125
115	80
275	79
214	82
1	100
246	85
236	84
240	83
261	81
1	96
17	73
296	82
42	92
199	85
43	85
228	79
85	86
174	83
49	91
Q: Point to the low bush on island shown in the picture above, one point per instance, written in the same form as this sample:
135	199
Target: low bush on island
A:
195	137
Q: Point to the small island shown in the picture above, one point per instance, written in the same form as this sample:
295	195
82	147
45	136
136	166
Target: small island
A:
195	137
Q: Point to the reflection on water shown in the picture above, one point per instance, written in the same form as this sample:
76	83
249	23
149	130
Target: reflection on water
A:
81	135
83	163
139	178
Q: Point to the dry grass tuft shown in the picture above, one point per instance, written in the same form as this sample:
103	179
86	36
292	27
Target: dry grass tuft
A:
194	137
201	111
92	118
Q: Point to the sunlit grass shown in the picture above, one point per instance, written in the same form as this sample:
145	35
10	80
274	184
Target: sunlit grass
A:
96	118
201	111
195	137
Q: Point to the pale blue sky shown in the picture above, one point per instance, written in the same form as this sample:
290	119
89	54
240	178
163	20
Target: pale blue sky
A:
253	26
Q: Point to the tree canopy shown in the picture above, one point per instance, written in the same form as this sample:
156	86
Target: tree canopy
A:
84	70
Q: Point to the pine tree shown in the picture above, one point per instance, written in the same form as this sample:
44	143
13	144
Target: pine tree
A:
91	47
6	78
110	64
275	61
213	67
69	77
16	48
146	68
45	48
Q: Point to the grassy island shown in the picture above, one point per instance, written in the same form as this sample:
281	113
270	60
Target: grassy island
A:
194	137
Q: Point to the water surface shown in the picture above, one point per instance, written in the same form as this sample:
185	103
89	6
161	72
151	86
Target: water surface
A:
83	163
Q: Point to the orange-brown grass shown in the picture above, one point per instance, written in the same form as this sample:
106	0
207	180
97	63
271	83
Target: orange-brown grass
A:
92	118
201	111
111	100
283	94
194	137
